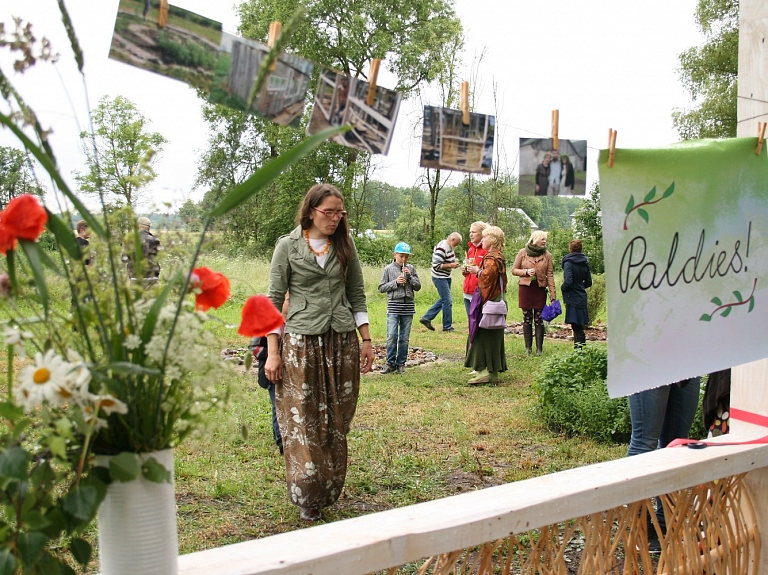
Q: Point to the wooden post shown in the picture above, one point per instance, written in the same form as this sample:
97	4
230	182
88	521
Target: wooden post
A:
464	103
749	383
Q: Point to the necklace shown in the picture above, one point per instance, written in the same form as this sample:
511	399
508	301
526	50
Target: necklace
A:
309	245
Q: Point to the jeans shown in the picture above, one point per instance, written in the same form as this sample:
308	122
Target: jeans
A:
467	302
275	427
659	416
445	303
398	333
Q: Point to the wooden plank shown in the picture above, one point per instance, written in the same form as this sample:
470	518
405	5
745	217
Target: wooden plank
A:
373	542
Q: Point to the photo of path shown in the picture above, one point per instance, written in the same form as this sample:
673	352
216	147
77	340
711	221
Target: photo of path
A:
172	42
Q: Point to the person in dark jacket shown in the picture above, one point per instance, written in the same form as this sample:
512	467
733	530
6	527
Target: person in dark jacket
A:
542	176
576	278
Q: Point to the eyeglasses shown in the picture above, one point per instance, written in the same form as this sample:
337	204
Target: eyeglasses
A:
333	214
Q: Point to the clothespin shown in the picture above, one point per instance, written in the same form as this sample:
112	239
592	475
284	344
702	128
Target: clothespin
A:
373	74
760	136
464	103
555	122
611	146
275	28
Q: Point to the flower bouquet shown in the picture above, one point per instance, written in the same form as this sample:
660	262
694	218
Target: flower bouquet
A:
104	372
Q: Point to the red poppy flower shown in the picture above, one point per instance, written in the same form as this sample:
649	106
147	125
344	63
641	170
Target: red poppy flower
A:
24	218
214	288
7	241
260	317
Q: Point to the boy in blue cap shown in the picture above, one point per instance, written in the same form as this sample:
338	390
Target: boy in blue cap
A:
399	281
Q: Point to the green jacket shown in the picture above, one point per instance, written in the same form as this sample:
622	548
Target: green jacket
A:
319	299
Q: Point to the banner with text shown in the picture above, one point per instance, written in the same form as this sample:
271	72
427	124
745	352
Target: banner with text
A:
685	234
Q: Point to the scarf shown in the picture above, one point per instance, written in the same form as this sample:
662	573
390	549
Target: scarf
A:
535	251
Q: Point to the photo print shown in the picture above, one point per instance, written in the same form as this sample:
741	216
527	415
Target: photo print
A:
342	100
448	144
281	97
167	40
545	171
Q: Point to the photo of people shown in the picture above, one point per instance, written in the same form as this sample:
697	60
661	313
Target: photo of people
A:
343	100
545	171
281	97
167	40
447	143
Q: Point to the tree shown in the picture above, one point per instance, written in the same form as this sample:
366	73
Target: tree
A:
710	73
122	154
16	176
588	227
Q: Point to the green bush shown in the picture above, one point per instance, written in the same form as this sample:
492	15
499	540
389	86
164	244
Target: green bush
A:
596	297
375	252
573	398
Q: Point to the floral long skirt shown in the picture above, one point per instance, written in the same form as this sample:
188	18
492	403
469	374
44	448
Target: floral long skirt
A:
315	406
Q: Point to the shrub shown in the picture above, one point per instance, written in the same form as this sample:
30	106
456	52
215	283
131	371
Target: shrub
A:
375	252
573	398
596	297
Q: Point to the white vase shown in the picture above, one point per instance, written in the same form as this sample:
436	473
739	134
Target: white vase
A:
137	524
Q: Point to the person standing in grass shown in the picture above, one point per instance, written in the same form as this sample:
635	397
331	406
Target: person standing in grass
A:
576	279
475	255
399	281
317	373
485	353
443	262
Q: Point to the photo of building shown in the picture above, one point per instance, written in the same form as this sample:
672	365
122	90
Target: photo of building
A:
447	143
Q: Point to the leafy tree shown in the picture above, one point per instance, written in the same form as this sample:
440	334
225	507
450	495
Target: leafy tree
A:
710	73
191	214
122	154
16	177
588	227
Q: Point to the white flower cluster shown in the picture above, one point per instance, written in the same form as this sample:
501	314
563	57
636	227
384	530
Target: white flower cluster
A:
52	379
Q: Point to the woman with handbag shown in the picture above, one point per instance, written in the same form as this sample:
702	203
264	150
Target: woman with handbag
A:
485	353
533	265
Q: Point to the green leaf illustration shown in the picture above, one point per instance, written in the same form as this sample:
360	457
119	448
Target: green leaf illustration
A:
705	317
650	195
737	295
670	190
726	311
630	204
643	214
716	301
751	304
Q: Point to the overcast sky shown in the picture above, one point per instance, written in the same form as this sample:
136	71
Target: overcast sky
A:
603	63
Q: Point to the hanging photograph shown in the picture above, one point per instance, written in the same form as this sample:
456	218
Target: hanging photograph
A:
281	97
167	40
344	100
545	171
447	143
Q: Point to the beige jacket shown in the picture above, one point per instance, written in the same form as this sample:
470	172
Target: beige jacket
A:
545	273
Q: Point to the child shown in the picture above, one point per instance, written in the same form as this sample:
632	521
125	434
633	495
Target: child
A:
399	280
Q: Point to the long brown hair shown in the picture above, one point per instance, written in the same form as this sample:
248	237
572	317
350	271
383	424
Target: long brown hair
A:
340	238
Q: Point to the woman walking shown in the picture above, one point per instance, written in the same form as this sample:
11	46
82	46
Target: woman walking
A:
485	353
317	376
533	265
576	278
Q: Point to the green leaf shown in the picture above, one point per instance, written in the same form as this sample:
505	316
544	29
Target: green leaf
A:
148	329
630	204
650	195
726	312
10	259
737	295
31	546
34	520
81	502
57	445
81	550
669	191
32	251
14	463
265	175
248	362
71	35
7	562
124	467
63	235
154	472
50	167
643	214
705	317
10	411
716	301
128	368
751	304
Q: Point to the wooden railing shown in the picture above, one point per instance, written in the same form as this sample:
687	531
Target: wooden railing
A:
713	490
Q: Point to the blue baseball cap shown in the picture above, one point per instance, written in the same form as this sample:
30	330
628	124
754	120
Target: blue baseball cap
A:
402	248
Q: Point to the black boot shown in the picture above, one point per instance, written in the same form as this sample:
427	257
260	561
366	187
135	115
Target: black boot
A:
539	338
528	337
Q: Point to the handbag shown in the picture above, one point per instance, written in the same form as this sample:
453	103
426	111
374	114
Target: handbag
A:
494	313
551	311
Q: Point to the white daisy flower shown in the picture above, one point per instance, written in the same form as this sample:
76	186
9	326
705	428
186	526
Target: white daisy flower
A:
79	374
109	404
16	337
46	380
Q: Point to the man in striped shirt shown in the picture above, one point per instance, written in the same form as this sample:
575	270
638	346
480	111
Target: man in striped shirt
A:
443	261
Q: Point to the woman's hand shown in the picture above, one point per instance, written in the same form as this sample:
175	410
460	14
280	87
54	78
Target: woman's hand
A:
531	272
366	357
273	369
472	269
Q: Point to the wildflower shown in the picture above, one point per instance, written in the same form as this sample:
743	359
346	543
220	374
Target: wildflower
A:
132	342
7	241
79	374
109	404
213	288
46	380
24	218
16	338
259	317
5	283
